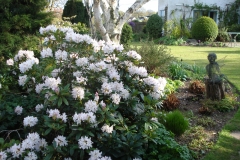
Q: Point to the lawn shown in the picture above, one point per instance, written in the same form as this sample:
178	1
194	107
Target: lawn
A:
228	59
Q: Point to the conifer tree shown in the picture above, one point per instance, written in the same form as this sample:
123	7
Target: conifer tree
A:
76	9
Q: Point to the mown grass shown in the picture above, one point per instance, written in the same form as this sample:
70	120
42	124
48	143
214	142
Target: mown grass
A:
227	147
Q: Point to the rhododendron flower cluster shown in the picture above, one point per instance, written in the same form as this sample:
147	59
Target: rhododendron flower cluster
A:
87	91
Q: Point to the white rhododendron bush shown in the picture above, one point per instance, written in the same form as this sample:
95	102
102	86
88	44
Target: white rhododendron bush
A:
94	101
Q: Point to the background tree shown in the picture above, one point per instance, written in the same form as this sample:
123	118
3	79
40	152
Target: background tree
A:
154	26
127	35
19	22
75	10
107	19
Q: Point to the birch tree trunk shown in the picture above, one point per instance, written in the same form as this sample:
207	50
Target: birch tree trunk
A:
107	19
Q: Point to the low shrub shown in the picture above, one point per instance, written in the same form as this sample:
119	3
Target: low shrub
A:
205	29
156	58
176	123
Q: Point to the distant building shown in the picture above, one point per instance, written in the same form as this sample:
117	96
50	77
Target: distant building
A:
168	9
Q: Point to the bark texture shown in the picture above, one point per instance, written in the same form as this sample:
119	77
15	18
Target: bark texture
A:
107	19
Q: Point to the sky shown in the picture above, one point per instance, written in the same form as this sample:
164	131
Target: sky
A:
125	4
151	5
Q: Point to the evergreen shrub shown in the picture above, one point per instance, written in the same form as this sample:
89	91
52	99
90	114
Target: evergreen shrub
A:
154	26
75	11
127	35
205	29
176	123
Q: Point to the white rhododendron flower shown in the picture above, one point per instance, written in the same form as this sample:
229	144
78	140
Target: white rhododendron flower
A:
46	52
107	128
18	110
115	98
61	55
78	93
3	155
16	150
22	80
55	72
91	106
134	55
31	156
81	62
10	62
30	121
95	154
27	65
61	141
50	28
39	107
140	71
85	143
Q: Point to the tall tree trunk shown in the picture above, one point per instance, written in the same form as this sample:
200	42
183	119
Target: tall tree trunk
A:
107	19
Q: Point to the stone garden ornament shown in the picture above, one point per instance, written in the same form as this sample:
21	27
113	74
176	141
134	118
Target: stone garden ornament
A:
214	82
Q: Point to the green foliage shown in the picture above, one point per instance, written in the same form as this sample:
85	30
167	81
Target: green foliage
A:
172	86
156	58
177	71
223	36
141	36
234	28
168	40
177	28
176	123
80	28
227	104
205	29
197	142
195	72
19	22
163	146
154	26
205	121
109	101
127	35
231	15
75	11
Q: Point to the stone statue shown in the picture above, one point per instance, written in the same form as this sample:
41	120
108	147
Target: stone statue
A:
214	82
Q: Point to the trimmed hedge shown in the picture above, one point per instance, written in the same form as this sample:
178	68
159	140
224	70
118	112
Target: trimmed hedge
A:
205	29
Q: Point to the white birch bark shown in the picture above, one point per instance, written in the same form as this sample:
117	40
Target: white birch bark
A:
107	19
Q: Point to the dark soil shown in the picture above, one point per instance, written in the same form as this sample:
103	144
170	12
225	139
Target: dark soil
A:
210	125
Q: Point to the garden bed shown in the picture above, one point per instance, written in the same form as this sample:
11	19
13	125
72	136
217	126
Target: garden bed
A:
204	129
